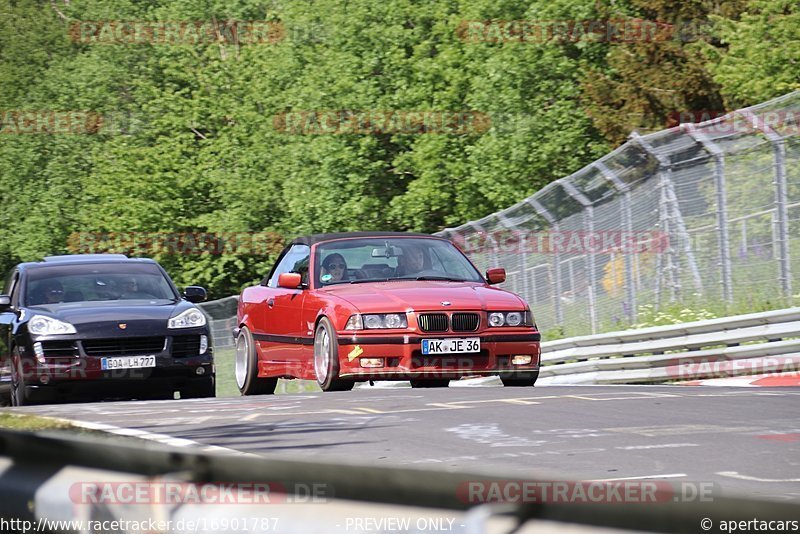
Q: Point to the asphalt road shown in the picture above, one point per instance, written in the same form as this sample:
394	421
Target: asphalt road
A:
744	440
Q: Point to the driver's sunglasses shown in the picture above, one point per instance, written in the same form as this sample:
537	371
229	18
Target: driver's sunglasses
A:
335	266
56	291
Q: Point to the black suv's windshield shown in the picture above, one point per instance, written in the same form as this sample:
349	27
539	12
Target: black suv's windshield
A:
48	285
382	259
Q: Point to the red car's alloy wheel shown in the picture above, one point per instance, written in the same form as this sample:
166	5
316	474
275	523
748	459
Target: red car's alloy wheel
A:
326	359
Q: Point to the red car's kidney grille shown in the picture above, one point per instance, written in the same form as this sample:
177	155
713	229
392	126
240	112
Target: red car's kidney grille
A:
123	347
433	322
465	322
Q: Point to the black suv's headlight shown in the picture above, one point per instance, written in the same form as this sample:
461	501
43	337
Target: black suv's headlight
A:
188	319
41	325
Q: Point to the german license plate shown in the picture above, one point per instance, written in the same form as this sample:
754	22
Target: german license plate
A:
127	362
451	345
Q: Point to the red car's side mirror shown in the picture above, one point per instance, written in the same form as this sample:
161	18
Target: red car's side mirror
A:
289	280
496	275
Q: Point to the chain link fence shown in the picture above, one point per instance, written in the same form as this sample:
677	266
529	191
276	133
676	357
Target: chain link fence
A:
702	215
222	320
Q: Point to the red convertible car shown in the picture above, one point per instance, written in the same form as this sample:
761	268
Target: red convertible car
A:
353	307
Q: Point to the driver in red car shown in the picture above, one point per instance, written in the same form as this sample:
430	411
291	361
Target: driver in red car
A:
411	261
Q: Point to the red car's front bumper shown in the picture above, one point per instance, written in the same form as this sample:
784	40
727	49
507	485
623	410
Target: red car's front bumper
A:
402	358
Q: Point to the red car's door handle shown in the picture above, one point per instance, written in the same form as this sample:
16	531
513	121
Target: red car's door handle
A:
271	302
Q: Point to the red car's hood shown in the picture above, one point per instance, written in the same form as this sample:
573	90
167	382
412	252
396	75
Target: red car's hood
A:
425	296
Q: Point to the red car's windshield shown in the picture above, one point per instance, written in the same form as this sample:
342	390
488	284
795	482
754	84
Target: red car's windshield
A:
379	259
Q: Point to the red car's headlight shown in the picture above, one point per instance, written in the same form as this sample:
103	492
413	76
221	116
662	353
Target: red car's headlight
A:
511	318
376	321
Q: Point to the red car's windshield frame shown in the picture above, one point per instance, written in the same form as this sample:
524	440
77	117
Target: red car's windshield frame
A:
440	259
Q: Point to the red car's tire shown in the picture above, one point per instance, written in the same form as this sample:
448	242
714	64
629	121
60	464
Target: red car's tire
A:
326	359
246	367
520	379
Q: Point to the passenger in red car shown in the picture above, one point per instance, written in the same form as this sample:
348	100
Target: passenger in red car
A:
334	267
411	261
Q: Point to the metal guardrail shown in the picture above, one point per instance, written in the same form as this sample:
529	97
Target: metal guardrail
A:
39	474
730	346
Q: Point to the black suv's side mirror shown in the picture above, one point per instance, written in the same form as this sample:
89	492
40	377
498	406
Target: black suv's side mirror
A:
195	294
5	303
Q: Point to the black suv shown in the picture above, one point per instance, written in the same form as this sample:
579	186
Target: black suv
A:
101	326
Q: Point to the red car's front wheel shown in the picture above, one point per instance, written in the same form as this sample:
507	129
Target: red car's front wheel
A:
326	359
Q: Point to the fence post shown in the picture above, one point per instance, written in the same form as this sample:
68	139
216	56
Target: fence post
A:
781	196
670	202
781	200
588	213
556	260
519	244
723	238
627	227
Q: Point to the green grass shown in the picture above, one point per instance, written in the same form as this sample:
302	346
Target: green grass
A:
226	382
33	422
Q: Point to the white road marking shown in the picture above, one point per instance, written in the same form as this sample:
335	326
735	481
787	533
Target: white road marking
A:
160	438
490	434
735	474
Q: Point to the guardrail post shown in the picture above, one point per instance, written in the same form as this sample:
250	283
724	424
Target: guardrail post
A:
588	214
781	200
627	227
556	260
723	238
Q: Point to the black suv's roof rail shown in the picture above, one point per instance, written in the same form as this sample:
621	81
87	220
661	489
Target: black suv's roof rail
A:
92	257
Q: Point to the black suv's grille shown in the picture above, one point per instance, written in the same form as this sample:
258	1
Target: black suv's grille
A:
185	346
465	322
433	322
60	349
123	347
